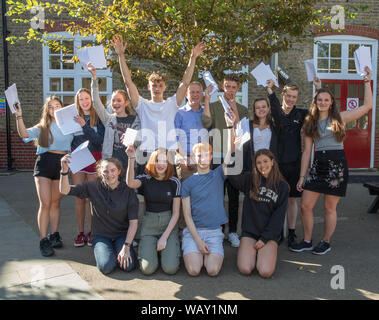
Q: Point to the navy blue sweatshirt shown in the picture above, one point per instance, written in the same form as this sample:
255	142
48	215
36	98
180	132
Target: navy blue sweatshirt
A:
262	218
94	135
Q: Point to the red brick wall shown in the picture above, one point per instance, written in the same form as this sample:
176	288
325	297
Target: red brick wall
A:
23	154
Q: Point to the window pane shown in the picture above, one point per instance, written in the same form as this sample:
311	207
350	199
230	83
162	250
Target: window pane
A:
335	66
335	50
66	64
87	43
352	90
86	83
55	84
323	50
351	125
67	100
55	62
68	84
352	66
361	91
68	44
352	48
363	122
323	65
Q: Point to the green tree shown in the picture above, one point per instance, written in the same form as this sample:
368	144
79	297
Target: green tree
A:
237	32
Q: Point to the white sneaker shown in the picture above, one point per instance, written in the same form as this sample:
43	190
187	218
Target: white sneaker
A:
234	240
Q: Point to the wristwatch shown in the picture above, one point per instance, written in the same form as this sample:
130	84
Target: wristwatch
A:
127	244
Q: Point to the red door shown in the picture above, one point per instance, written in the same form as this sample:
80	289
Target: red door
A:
350	94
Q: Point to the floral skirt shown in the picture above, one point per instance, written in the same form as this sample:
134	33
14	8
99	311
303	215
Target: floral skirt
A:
329	173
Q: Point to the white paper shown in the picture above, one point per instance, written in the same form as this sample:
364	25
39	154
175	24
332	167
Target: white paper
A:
65	119
262	73
243	131
81	157
208	79
129	136
310	68
12	97
95	55
362	59
226	105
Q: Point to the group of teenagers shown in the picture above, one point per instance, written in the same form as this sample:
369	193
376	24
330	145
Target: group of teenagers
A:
183	184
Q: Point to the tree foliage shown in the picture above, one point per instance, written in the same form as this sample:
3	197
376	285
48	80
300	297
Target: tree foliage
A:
237	32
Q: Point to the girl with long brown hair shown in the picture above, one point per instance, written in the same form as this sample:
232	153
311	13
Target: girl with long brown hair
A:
52	145
263	213
325	127
93	131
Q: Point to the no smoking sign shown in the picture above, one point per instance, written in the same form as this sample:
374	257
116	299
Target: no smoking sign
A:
352	103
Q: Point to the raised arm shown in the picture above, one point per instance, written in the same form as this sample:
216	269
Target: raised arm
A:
206	117
348	116
119	46
97	104
187	77
21	129
130	179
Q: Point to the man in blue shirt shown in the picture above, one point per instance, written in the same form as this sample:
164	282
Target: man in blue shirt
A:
189	128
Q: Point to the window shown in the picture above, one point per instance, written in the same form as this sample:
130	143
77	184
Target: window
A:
334	56
64	78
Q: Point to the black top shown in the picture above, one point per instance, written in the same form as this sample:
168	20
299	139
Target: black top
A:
248	147
111	209
159	194
94	135
289	140
263	218
123	123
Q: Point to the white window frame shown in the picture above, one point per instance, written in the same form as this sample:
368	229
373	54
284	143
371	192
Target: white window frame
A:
77	73
345	40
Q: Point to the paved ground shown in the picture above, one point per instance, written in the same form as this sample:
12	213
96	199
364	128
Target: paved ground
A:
72	274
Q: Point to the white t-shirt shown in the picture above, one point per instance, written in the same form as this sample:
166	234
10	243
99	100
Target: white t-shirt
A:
157	123
262	139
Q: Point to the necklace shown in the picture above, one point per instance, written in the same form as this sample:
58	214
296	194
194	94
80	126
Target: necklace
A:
321	128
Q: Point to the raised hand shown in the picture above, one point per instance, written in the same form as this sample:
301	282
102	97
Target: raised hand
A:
80	121
118	44
198	49
130	151
368	76
91	68
317	83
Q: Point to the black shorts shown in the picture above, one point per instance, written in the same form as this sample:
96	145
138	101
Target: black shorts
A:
48	165
329	173
291	172
249	235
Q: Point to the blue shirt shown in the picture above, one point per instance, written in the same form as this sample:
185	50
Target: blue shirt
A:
206	192
188	120
60	142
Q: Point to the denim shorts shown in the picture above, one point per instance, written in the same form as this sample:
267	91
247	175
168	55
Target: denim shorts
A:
213	238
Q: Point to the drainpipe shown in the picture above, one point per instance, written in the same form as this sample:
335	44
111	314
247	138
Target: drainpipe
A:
6	84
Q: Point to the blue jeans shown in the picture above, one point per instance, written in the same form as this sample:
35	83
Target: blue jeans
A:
106	251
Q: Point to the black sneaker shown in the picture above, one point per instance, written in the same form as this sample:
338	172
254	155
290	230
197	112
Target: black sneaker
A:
291	239
46	248
55	240
301	246
322	248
